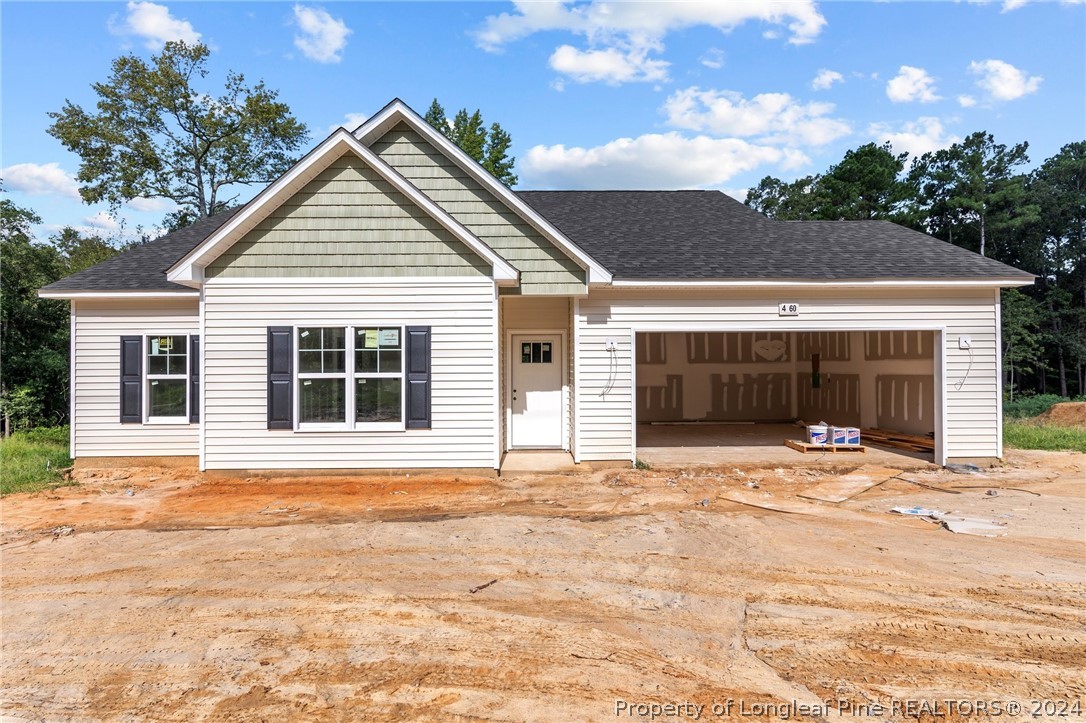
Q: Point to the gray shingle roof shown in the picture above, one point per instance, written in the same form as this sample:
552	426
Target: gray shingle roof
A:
651	235
143	268
709	235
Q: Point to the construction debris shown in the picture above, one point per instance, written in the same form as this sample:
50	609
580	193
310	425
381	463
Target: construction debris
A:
484	586
850	485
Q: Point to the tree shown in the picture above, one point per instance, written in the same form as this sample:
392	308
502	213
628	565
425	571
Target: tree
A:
973	183
33	331
1021	342
795	201
490	148
865	185
156	135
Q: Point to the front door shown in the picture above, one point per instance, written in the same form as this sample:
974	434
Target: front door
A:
536	391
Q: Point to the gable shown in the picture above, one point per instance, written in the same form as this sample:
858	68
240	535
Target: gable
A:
348	221
544	268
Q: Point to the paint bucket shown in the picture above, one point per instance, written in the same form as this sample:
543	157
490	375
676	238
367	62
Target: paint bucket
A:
838	435
853	436
817	434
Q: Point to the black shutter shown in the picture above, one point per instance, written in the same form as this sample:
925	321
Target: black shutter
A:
280	377
131	380
194	378
417	377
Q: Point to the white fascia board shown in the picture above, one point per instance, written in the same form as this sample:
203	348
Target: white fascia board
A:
119	294
189	270
397	111
836	283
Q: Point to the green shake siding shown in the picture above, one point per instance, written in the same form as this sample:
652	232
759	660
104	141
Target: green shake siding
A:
544	268
348	222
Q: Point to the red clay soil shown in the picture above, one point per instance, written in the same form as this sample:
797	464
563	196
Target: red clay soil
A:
160	595
1065	414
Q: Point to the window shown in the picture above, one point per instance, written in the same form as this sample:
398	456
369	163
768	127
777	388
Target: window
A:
167	378
350	377
535	352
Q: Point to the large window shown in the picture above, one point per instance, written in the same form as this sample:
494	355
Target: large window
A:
167	378
350	377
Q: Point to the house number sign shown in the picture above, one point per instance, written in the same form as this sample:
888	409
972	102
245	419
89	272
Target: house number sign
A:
788	309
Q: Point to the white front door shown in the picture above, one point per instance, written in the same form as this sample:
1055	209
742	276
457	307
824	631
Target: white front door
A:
536	391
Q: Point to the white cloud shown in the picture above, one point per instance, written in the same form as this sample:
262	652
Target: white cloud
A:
911	84
713	58
916	138
611	66
599	20
774	117
652	161
102	221
151	205
826	78
40	179
154	24
621	36
350	122
966	101
1002	81
321	37
1010	5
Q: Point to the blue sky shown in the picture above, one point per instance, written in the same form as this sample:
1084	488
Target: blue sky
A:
594	94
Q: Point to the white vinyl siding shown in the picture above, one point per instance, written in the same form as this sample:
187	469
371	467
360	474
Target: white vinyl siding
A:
604	400
98	327
461	314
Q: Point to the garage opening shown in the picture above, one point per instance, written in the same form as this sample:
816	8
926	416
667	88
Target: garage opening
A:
737	396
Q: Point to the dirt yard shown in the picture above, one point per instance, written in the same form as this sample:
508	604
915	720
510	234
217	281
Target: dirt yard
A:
151	595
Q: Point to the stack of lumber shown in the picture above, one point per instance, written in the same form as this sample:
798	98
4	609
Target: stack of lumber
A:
890	438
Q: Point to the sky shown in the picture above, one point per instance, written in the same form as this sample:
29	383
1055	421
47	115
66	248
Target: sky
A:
596	95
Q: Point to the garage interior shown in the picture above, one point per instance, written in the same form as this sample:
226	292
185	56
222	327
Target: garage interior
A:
737	396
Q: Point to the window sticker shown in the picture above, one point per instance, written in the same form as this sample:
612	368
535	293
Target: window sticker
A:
371	338
389	337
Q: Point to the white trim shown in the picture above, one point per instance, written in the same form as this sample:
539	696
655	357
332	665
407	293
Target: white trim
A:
118	294
941	398
71	380
836	283
397	111
146	378
509	333
349	376
203	377
336	281
633	394
574	406
338	143
999	372
940	331
496	370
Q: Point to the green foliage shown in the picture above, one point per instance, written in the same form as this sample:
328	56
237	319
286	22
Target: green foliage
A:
33	331
865	185
156	135
1030	405
490	148
1031	435
642	465
32	460
972	184
1021	340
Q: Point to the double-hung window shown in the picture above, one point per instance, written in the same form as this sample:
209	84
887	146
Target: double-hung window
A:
350	377
167	379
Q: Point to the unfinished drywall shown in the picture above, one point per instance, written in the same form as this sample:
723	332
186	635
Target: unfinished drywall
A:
748	376
738	376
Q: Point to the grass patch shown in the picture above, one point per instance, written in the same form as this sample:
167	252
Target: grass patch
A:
30	460
1028	434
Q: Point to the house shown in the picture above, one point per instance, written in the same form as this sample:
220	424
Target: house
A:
388	304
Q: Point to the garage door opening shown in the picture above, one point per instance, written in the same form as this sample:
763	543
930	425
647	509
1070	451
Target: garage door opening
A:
736	396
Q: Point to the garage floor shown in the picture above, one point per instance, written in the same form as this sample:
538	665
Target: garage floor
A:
710	444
